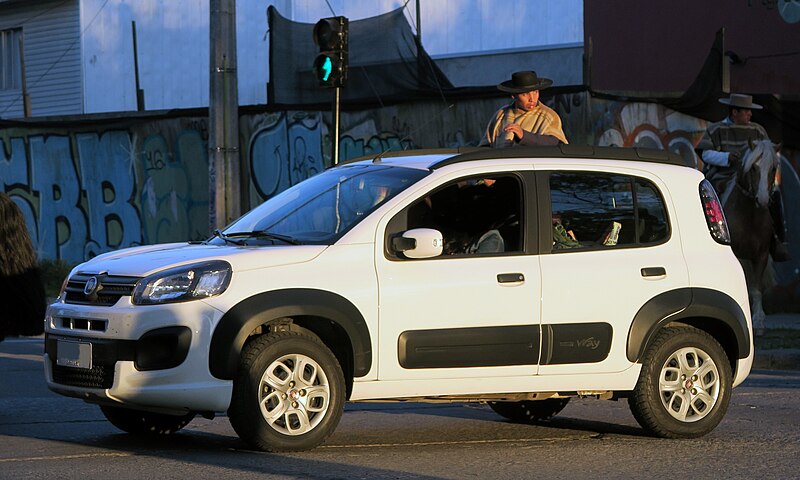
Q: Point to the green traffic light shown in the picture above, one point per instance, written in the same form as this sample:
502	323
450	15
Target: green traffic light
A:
327	68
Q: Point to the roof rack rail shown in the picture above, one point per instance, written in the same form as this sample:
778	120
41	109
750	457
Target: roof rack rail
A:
571	151
403	153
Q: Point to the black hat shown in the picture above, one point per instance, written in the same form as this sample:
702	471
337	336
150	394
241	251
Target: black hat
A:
522	82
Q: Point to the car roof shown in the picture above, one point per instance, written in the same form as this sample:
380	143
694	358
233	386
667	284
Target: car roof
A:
431	159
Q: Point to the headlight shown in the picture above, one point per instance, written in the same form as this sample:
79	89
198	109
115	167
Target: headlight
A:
181	284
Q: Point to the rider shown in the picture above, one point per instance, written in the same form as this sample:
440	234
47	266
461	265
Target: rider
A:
721	150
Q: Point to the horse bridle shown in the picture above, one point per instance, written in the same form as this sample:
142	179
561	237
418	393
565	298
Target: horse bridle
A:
741	177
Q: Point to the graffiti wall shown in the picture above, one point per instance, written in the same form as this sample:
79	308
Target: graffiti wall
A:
98	187
88	191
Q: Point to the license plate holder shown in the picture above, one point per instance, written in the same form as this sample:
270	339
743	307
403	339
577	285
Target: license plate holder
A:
74	354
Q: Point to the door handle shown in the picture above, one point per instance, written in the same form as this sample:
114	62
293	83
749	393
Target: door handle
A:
654	271
510	277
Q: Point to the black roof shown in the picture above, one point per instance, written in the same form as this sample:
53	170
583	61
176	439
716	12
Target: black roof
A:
467	154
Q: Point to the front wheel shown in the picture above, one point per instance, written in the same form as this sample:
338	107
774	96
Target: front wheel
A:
289	393
139	422
685	384
530	411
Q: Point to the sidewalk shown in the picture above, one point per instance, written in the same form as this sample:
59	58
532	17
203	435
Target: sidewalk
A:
779	358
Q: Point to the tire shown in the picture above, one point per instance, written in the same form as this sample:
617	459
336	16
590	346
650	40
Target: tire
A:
530	411
289	393
139	422
685	384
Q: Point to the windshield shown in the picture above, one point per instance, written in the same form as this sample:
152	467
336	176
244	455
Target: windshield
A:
322	208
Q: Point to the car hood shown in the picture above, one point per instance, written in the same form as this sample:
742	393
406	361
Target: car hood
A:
143	261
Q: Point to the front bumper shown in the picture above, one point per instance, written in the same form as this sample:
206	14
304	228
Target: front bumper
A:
147	357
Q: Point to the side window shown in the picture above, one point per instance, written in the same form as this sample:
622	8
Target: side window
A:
476	215
652	216
596	210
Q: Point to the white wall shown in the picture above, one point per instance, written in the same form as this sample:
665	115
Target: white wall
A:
467	26
173	48
173	41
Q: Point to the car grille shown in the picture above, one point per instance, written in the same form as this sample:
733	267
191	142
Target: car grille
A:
110	290
99	376
81	324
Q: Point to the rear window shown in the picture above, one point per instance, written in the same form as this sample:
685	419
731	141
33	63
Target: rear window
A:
592	210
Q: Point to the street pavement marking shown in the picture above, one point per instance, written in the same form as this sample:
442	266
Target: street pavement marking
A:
38	339
24	356
453	442
65	457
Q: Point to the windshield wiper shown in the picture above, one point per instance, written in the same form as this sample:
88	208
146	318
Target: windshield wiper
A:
257	234
276	236
226	238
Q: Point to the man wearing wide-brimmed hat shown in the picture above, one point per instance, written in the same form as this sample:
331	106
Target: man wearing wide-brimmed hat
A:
721	150
525	121
725	141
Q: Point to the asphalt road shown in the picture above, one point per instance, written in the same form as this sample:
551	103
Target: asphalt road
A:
44	435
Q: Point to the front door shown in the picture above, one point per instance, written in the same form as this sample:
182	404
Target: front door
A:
472	311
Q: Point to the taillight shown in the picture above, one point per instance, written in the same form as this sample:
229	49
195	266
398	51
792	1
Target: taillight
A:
715	217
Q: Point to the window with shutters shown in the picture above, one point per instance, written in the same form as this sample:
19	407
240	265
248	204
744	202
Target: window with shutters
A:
10	65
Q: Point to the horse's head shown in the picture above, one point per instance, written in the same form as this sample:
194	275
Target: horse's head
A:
760	164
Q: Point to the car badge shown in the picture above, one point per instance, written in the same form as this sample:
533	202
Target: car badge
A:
91	286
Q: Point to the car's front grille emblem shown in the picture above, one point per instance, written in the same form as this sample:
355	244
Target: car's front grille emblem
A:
91	286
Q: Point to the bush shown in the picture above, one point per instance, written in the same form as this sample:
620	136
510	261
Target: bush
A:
53	274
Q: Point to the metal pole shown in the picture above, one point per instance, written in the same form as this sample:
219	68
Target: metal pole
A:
139	91
26	99
418	38
419	25
226	192
336	125
726	64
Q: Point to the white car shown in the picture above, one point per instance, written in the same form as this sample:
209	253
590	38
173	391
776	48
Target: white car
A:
515	277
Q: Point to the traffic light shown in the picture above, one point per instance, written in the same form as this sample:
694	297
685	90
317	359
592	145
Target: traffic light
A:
330	66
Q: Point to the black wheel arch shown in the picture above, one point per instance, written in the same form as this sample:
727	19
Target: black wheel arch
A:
709	310
328	315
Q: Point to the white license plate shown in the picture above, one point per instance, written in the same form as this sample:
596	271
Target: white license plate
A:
74	354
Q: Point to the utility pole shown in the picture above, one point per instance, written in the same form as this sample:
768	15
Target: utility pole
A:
225	195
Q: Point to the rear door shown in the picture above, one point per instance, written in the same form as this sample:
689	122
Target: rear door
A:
612	245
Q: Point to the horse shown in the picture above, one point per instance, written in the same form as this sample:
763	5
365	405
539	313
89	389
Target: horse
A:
745	199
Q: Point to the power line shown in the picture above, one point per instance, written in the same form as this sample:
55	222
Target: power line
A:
331	8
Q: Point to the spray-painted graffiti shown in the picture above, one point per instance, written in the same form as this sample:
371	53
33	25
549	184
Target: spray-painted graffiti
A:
288	147
174	192
647	125
84	193
284	151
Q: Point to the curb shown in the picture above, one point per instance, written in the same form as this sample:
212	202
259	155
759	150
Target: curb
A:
778	359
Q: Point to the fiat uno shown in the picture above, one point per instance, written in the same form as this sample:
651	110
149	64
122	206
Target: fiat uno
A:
518	278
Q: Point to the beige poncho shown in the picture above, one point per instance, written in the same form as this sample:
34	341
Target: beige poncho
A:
541	120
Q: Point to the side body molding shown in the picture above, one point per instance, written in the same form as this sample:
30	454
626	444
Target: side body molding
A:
690	304
234	327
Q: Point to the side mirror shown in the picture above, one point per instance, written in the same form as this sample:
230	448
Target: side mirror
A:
419	243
